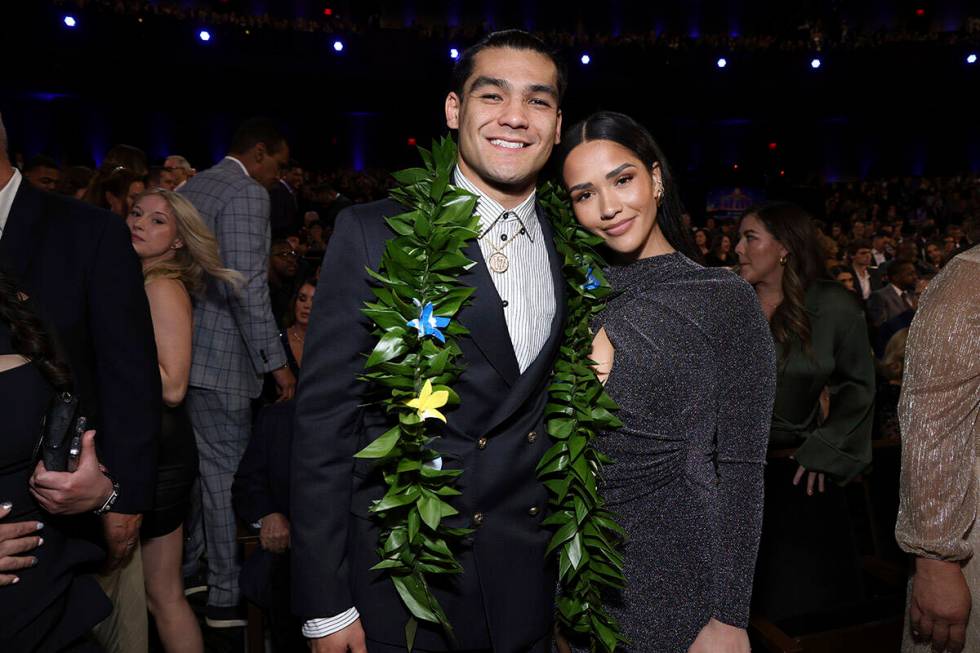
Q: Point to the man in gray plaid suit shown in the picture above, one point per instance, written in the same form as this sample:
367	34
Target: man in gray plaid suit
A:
236	341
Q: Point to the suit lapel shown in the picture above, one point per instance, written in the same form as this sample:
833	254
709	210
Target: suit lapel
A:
484	317
22	233
540	370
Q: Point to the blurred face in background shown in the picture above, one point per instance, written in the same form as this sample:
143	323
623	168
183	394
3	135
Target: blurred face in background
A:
304	304
44	178
759	253
846	279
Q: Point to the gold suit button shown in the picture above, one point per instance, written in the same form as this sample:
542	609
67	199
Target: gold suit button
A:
481	443
533	511
478	518
532	436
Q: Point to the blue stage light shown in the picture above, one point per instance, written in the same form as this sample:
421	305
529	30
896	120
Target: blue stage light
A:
453	53
70	21
722	62
338	46
815	63
586	59
204	35
971	58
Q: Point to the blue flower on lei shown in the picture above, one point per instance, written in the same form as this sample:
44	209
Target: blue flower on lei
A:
428	324
591	282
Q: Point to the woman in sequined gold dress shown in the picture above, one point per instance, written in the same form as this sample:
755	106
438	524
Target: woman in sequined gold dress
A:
939	412
687	479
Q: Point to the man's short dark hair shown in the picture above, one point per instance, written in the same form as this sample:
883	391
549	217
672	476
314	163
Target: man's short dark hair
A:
855	245
41	161
254	131
509	38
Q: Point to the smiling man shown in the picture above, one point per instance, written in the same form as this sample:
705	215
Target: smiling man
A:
504	104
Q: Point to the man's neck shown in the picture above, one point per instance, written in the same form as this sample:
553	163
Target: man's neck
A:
860	268
506	196
6	173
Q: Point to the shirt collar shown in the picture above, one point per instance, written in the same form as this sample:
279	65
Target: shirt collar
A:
240	164
898	291
490	210
7	194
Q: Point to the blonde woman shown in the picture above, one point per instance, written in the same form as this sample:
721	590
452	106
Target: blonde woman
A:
178	253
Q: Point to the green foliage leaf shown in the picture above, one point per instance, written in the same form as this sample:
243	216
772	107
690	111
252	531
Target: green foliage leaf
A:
382	446
391	345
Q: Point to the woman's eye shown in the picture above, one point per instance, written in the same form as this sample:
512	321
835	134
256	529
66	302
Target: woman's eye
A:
625	179
583	196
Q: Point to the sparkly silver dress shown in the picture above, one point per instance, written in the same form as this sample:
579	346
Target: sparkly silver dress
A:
694	374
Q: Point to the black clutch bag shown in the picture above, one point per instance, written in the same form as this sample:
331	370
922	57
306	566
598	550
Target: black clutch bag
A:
61	432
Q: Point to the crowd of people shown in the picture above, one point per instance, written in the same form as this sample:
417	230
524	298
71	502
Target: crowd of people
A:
182	306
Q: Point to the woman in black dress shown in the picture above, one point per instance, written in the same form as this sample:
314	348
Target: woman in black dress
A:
687	478
178	253
48	601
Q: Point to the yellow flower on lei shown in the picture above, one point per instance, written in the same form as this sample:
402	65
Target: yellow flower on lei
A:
428	402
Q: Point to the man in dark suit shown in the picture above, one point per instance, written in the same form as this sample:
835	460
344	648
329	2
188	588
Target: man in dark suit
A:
897	297
77	265
504	103
867	277
284	201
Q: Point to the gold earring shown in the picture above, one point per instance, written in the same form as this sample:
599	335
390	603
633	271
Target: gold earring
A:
783	259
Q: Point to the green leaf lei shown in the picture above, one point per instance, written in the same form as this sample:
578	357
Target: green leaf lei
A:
415	370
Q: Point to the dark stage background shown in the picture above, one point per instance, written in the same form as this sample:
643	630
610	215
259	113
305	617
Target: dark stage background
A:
905	108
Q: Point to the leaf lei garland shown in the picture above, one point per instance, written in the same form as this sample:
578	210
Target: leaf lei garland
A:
415	364
579	408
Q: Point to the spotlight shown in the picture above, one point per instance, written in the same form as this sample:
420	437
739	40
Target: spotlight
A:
722	62
773	145
204	35
411	141
971	58
734	166
70	21
586	59
338	46
453	53
920	12
328	12
815	63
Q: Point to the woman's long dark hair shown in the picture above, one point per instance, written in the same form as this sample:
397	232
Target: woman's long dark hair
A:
621	129
793	228
28	337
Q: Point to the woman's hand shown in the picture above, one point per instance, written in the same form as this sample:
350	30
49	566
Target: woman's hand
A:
812	477
717	637
16	539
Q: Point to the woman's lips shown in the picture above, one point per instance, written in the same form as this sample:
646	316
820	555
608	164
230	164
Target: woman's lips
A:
620	228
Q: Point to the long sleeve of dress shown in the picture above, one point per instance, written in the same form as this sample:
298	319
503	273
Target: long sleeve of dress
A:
841	446
939	412
746	390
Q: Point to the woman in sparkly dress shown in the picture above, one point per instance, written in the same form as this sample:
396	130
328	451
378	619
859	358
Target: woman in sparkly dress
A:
687	479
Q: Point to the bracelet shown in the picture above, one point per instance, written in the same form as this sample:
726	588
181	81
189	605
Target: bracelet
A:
111	499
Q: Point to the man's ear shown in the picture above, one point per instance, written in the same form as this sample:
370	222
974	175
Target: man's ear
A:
453	104
260	152
558	129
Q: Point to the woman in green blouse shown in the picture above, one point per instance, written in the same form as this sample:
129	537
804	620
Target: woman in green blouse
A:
808	560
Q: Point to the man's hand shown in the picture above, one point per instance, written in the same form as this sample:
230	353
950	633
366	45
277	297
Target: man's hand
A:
70	493
347	639
939	607
121	533
16	539
286	382
274	535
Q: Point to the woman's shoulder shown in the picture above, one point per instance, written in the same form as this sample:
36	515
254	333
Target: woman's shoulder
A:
165	288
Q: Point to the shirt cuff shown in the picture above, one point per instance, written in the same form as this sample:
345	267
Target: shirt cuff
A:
314	628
